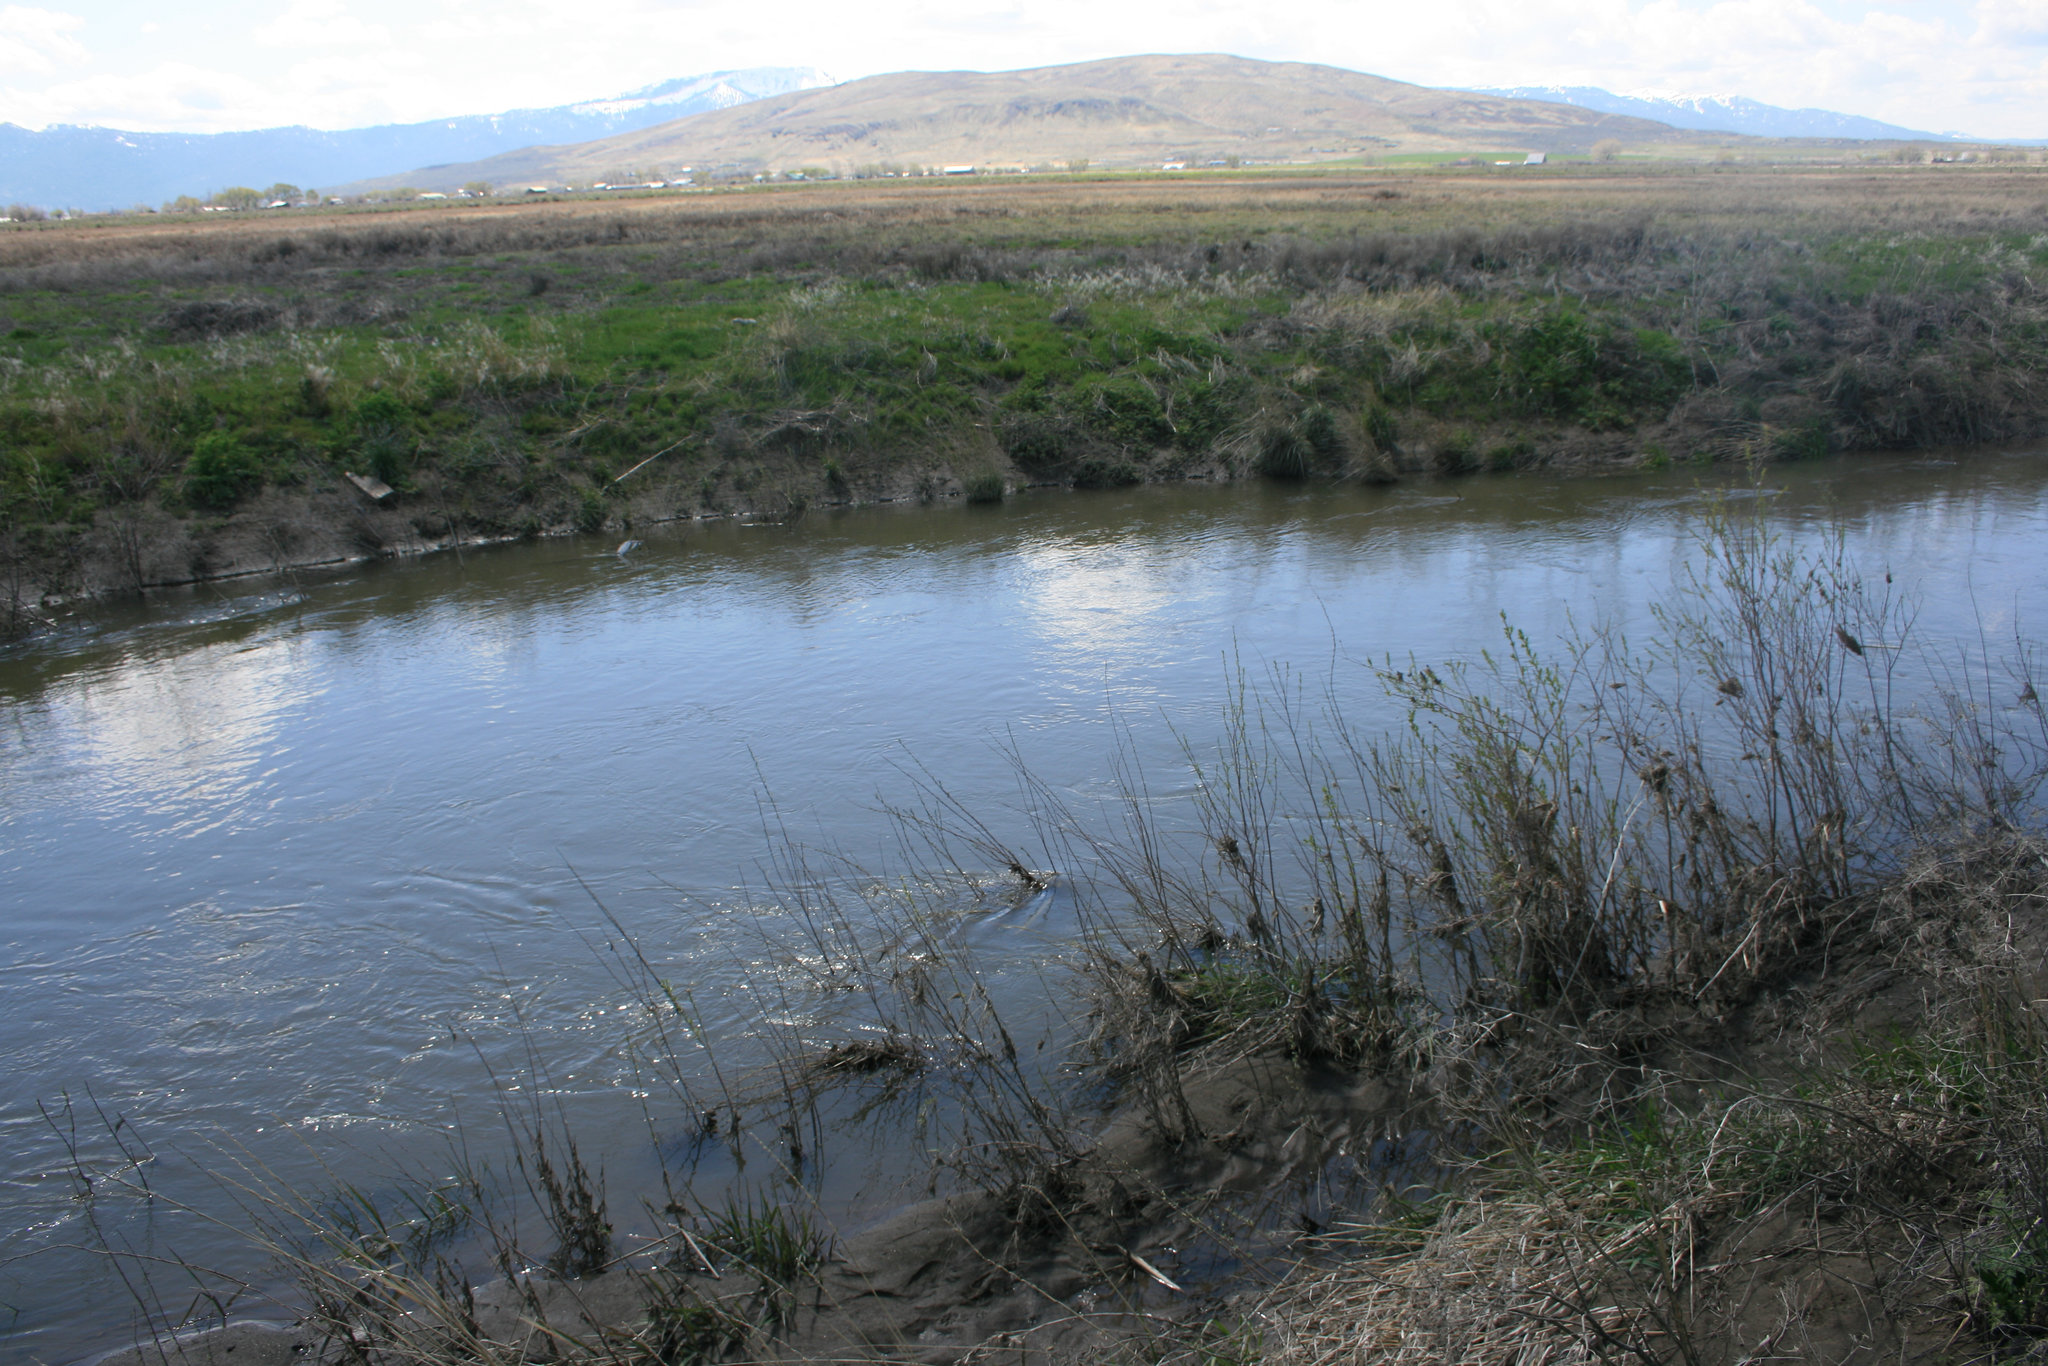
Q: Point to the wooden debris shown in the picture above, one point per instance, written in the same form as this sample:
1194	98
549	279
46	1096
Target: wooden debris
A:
375	489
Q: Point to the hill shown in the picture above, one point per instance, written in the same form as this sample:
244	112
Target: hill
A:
1128	111
97	169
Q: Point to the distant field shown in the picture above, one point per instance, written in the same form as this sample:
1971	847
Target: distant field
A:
1427	195
178	397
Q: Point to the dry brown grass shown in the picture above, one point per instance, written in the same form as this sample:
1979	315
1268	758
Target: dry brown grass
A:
1492	1283
1035	213
1878	1200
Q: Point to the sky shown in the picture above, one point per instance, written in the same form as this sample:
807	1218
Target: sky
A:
1973	66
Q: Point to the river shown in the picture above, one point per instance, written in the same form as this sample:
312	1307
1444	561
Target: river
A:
313	869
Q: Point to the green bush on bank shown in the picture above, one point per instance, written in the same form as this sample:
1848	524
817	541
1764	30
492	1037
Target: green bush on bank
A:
221	472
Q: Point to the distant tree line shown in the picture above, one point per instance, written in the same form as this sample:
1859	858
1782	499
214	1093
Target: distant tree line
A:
243	197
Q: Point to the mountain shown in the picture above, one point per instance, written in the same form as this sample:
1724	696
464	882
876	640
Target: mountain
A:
67	166
1127	111
1721	113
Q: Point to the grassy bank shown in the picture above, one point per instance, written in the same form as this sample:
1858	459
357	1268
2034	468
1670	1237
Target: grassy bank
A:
180	399
1669	1004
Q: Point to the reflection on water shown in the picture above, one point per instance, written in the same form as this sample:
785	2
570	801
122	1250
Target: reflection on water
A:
318	864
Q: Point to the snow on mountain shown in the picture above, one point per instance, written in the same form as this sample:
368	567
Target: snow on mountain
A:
79	167
1721	113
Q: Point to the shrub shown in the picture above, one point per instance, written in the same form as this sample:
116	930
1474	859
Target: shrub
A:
1807	441
221	472
1204	411
1125	408
986	487
384	436
1038	443
1567	367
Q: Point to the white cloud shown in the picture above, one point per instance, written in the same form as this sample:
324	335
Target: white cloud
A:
170	96
320	24
37	41
2018	23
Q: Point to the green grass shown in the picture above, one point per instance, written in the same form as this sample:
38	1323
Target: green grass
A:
512	375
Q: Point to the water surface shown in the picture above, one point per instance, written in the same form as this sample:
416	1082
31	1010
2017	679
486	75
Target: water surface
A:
311	866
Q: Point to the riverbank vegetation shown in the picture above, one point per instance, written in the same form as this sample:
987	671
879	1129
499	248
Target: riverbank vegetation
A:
1678	1002
183	399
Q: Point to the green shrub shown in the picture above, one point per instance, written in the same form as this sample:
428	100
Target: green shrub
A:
1038	443
1203	411
380	412
1807	441
986	487
1124	408
1567	367
221	472
384	437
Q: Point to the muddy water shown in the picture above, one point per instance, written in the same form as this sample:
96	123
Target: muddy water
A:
319	871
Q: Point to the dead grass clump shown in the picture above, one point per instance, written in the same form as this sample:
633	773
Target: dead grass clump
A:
218	318
864	1056
1491	1280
